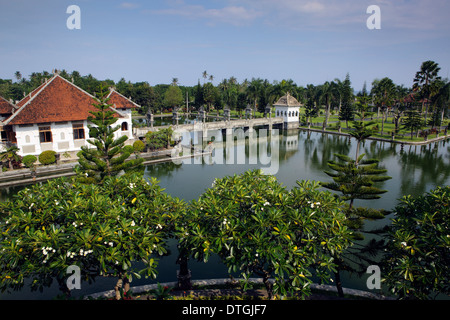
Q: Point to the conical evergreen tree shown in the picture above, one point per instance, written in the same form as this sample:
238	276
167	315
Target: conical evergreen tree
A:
413	121
347	112
355	180
110	156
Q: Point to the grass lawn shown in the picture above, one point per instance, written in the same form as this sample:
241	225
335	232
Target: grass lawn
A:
388	128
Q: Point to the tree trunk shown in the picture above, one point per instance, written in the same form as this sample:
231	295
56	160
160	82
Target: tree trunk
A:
337	278
122	283
184	274
117	289
357	152
268	285
64	289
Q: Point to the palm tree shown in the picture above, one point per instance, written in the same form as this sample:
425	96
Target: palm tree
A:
383	91
205	75
18	75
254	91
388	90
11	156
362	103
422	82
327	94
441	100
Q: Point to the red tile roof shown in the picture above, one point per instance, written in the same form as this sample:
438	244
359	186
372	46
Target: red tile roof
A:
118	101
6	107
57	100
31	94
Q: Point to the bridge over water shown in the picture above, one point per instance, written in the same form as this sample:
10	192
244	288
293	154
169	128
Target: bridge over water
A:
226	125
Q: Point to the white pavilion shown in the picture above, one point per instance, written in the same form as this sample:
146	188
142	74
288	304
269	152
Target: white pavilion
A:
288	108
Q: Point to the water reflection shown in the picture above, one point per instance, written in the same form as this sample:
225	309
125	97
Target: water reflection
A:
304	155
300	155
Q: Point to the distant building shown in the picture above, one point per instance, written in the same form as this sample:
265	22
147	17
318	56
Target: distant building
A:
288	108
54	117
7	108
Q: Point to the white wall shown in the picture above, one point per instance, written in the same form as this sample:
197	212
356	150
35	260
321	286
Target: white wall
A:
284	113
62	137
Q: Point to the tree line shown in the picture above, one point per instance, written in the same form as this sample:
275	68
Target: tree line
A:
429	94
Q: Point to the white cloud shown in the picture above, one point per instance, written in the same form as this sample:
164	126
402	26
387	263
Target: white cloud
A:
128	5
316	14
398	14
235	15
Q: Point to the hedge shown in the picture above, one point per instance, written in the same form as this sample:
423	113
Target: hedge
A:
47	157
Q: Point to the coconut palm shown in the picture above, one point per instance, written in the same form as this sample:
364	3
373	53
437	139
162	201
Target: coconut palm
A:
422	82
205	75
327	94
441	101
362	103
18	75
384	92
254	91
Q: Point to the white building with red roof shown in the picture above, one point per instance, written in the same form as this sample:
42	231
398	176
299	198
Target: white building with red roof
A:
54	117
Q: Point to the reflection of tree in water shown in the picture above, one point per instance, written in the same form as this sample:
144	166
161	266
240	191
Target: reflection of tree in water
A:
422	165
379	150
165	169
325	145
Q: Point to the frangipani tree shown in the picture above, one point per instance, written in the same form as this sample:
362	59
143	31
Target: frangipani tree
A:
102	229
258	227
417	263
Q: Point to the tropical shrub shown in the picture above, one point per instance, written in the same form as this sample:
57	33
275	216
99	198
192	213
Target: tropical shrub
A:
103	229
417	263
47	157
29	160
11	157
138	146
159	139
258	227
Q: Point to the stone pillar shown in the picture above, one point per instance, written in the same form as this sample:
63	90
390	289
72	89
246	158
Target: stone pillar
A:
226	114
248	113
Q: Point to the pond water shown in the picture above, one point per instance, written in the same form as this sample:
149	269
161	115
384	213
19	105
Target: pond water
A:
294	155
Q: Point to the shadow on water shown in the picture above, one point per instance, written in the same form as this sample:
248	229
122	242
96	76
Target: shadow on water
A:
301	155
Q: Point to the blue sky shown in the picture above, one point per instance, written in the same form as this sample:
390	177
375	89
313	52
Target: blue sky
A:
310	41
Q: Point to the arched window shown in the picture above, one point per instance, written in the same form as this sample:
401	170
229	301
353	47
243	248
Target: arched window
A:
27	139
289	113
278	113
124	126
